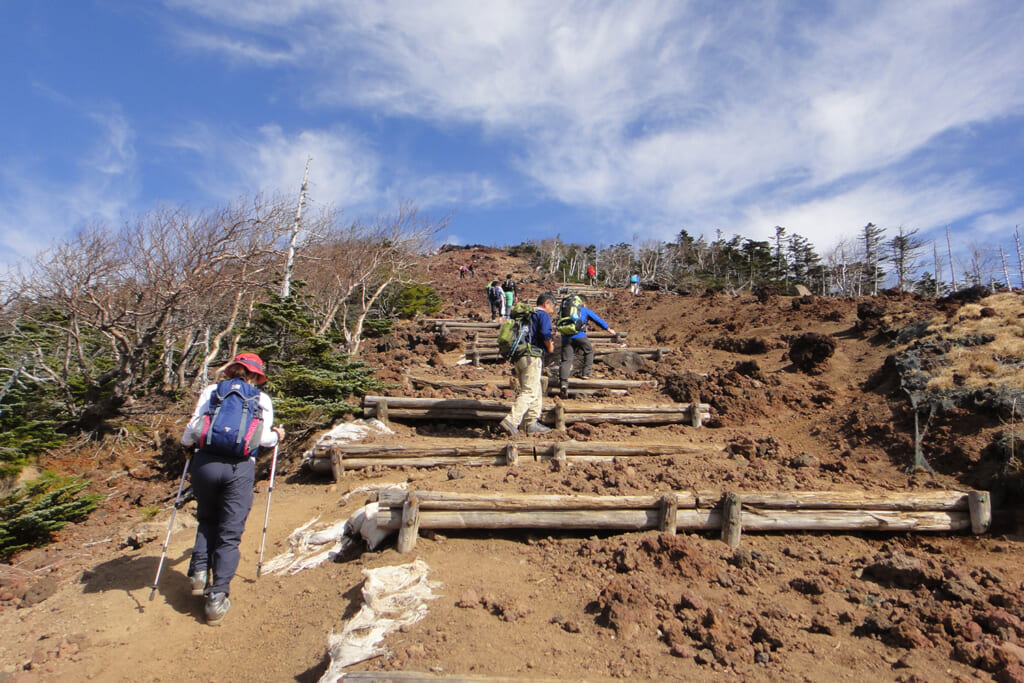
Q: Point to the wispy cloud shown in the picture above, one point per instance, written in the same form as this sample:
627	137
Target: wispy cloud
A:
43	198
345	167
736	115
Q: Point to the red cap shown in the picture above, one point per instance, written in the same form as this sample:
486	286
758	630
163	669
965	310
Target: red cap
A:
252	363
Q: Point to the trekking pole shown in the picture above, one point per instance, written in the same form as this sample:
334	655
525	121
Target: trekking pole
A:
170	528
266	520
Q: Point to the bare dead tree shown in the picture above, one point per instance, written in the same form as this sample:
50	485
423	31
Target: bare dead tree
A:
124	292
349	270
952	268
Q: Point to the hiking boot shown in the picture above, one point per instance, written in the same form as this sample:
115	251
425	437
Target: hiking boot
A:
217	606
507	425
563	390
200	580
536	429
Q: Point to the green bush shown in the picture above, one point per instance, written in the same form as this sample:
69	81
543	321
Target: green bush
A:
418	299
312	383
32	512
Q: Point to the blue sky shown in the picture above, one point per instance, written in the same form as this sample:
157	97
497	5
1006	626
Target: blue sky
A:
603	122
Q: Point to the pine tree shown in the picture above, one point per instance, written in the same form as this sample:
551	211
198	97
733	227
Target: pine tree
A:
32	512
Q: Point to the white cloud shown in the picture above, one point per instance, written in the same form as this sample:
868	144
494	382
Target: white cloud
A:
444	191
743	115
97	183
884	201
234	49
344	170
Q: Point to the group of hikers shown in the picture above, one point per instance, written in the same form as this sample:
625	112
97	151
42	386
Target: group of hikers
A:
234	418
501	297
528	358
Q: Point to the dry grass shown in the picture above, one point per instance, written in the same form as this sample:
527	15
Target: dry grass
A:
997	363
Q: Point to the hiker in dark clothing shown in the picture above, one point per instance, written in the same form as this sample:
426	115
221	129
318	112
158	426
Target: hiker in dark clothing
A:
223	487
496	299
578	342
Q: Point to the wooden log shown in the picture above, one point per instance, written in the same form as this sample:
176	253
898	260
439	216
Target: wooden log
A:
868	502
560	421
504	383
469	409
686	519
512	455
731	524
337	465
696	416
630	520
356	456
980	505
417	677
855	520
572	449
861	500
381	411
433	461
410	529
669	509
560	453
528	502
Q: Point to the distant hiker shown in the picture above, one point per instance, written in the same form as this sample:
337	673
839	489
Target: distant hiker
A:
592	274
223	472
496	298
573	317
472	267
463	269
528	365
634	284
509	287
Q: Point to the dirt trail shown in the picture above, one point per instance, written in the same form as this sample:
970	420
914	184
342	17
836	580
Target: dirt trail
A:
635	606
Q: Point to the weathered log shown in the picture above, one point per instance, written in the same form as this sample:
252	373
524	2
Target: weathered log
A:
337	465
674	511
753	501
980	505
686	520
732	526
504	383
669	510
528	502
572	449
417	677
335	458
862	500
410	528
470	409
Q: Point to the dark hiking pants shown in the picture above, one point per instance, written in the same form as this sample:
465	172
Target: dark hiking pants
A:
223	488
569	348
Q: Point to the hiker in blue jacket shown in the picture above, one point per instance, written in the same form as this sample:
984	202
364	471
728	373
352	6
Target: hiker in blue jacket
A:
528	365
223	488
578	342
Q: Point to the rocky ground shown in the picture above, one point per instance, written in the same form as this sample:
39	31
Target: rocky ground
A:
806	394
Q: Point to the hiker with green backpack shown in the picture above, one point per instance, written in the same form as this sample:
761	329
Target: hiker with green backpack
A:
573	317
523	339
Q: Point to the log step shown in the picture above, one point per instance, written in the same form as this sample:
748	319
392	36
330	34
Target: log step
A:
385	407
338	457
689	511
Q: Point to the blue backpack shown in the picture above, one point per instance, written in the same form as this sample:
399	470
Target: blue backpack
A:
234	424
